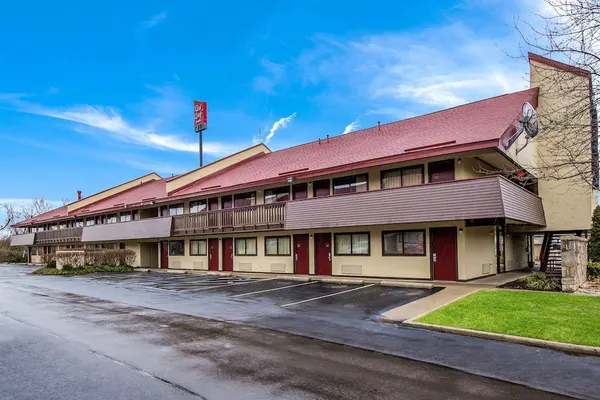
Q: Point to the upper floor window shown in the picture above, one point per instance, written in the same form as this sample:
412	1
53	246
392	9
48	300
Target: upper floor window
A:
441	171
244	199
111	219
197	206
407	176
125	217
79	223
176	209
321	188
63	225
90	222
350	184
300	191
53	227
277	194
40	229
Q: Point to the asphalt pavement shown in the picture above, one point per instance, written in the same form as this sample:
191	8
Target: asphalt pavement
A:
234	338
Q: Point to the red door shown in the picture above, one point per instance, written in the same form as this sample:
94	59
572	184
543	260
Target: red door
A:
443	253
213	254
228	254
301	254
323	253
164	254
441	171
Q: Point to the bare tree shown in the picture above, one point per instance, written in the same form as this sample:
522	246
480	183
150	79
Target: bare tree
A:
10	216
38	205
567	143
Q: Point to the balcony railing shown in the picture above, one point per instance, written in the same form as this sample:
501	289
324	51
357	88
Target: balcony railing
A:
59	236
261	217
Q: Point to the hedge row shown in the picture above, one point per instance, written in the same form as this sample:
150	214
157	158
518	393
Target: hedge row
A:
96	257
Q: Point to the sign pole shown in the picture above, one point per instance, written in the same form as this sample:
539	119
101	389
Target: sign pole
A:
200	146
200	123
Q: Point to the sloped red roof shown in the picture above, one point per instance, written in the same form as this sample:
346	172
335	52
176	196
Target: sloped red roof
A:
480	121
56	214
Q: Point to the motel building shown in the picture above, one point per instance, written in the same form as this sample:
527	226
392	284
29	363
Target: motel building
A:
412	199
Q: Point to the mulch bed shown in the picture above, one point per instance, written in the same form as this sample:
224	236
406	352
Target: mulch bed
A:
523	286
591	288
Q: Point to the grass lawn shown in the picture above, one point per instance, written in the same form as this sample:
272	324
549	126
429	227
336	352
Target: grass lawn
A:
83	270
557	317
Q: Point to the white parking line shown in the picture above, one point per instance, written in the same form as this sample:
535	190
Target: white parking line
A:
327	295
271	290
231	284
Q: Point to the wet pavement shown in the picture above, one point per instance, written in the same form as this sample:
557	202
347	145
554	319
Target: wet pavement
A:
156	326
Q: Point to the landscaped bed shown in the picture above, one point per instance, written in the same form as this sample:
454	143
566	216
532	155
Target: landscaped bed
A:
556	317
83	270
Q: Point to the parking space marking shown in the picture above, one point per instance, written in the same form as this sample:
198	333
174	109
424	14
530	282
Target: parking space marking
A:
327	295
279	288
231	284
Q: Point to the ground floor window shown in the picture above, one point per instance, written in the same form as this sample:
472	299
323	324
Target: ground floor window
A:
404	243
245	246
277	246
198	247
176	247
352	244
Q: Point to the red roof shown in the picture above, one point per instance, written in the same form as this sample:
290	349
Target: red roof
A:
471	126
480	121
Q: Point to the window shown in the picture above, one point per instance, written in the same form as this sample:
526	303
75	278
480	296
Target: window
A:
34	251
277	194
352	244
176	209
53	227
197	206
110	246
125	217
277	246
408	176
300	191
245	246
404	243
90	222
198	247
111	219
122	246
63	225
79	223
176	247
350	184
321	188
244	199
40	229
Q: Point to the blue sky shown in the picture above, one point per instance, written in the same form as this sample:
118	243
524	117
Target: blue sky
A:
97	93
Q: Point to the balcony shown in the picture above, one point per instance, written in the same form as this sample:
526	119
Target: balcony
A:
252	218
67	235
482	198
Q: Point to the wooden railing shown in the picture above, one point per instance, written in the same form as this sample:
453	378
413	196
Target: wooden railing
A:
59	236
261	217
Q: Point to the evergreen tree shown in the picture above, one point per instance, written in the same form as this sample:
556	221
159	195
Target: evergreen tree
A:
594	243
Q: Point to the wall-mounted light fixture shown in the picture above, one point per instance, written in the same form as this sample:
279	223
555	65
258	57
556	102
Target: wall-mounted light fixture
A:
290	179
461	231
459	161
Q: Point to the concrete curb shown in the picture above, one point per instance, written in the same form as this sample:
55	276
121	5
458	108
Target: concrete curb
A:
217	273
416	285
293	278
341	281
547	344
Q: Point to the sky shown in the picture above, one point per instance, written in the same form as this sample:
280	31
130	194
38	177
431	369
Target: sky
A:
98	93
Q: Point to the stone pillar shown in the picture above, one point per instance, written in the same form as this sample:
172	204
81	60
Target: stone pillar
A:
574	262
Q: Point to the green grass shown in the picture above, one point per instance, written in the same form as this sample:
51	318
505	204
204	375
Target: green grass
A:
557	317
83	270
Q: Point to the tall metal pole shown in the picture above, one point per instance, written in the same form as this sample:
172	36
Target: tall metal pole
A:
200	146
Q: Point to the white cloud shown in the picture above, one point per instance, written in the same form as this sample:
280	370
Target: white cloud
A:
281	123
154	20
352	126
416	71
274	74
108	119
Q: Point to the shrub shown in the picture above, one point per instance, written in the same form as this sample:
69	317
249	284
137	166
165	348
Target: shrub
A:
593	270
12	256
109	257
539	281
594	243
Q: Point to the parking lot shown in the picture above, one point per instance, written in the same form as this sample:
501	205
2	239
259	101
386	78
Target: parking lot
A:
326	300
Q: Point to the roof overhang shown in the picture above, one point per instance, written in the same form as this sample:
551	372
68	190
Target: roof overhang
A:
143	229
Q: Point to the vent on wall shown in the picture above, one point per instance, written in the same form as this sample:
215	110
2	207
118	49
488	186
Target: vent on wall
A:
351	269
486	269
277	267
198	264
244	266
175	264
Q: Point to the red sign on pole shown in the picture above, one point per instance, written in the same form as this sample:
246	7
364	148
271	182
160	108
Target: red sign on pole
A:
200	115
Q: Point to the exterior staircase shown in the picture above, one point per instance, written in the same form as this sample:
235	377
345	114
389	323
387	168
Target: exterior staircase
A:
554	266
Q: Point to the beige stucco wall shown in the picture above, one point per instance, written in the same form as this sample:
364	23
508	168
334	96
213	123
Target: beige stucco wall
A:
475	246
112	191
568	203
213	167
